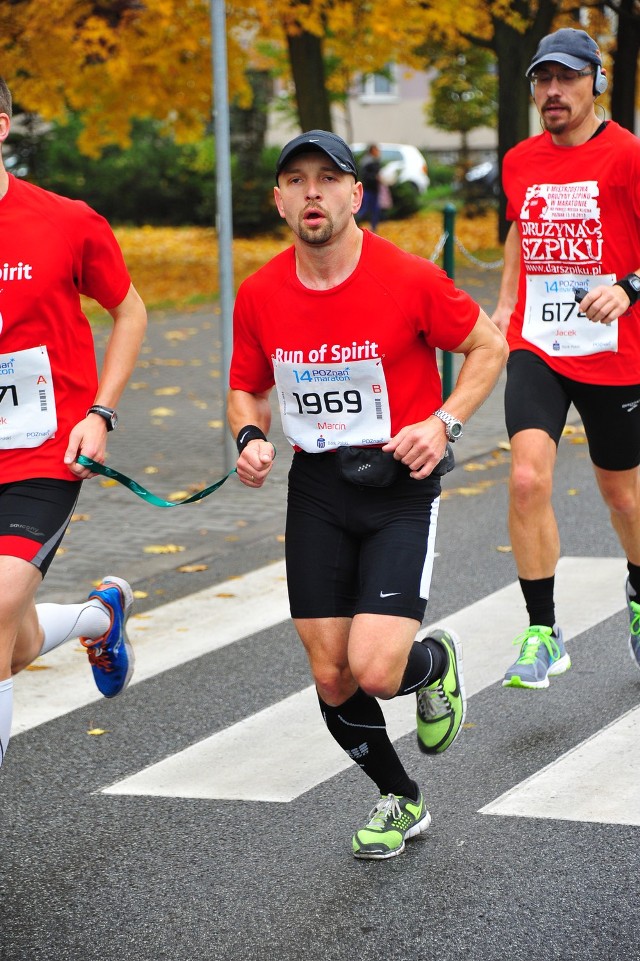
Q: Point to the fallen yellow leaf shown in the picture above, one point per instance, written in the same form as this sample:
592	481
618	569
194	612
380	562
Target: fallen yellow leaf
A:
97	731
108	482
140	594
193	568
150	470
215	423
225	594
167	391
162	412
162	549
177	495
573	491
504	549
138	385
37	667
80	517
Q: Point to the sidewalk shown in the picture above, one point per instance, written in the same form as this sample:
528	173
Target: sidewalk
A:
170	439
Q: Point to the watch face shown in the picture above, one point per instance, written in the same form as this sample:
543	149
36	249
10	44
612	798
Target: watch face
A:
455	430
634	281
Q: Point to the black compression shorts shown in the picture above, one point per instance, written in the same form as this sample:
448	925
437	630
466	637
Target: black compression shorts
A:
538	397
34	514
352	549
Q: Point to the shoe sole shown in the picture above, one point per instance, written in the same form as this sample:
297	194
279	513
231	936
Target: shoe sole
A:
413	832
127	598
457	646
561	666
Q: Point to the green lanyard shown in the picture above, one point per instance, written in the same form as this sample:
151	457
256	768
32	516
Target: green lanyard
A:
142	491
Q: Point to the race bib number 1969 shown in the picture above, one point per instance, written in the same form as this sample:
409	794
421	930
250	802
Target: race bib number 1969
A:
324	406
27	404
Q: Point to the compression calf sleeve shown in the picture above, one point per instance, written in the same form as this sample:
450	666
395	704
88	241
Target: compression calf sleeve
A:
538	596
6	713
61	622
359	727
426	662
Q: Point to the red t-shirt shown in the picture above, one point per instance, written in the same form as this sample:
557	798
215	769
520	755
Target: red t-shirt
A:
52	250
578	211
394	305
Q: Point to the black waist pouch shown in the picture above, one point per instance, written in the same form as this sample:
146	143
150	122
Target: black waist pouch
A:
373	467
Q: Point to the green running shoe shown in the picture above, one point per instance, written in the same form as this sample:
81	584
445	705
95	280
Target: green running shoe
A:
442	704
391	822
633	606
542	655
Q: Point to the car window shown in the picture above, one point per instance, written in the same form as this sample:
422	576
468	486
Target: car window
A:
388	155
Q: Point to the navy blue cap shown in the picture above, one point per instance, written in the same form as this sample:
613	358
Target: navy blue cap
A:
329	143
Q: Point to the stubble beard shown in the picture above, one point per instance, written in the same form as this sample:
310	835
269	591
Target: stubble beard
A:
316	235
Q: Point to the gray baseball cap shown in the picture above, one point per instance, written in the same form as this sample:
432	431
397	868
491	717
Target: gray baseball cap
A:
329	143
572	48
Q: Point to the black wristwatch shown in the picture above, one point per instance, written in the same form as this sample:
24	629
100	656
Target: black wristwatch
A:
452	426
631	286
108	414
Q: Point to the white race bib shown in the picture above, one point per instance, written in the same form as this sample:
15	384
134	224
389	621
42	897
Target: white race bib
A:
27	404
552	319
324	406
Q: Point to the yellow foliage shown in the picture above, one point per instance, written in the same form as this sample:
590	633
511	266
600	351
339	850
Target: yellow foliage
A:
178	266
112	62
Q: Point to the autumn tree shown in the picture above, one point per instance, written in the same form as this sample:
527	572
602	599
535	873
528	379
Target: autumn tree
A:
463	95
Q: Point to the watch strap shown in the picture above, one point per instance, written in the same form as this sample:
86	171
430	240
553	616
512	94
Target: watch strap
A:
631	286
108	414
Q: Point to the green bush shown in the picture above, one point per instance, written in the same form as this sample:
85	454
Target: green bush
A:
406	201
155	181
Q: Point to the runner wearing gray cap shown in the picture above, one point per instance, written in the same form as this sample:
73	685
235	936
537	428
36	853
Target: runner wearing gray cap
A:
568	303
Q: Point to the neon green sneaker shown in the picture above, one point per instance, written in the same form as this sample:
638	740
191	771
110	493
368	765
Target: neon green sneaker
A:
442	705
391	822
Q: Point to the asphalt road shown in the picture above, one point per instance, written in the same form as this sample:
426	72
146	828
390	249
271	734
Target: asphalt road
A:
86	875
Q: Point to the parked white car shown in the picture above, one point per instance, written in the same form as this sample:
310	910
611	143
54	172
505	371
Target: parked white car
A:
401	163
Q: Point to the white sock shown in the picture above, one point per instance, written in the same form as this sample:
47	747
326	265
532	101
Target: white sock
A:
61	622
6	713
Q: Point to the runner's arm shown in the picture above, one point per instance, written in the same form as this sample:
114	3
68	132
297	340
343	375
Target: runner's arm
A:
421	446
256	460
89	436
508	294
605	303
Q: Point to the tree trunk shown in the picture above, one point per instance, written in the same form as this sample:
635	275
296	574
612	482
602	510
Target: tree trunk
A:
307	68
249	126
514	52
625	66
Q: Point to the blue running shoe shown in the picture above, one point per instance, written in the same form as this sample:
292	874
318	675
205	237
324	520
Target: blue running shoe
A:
542	655
111	656
633	606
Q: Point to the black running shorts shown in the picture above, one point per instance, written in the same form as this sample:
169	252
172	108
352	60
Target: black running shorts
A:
538	397
353	549
34	514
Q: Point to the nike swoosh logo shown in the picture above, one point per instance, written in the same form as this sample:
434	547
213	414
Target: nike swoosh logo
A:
240	439
392	594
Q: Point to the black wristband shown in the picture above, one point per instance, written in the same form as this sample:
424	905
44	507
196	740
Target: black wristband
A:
631	286
250	432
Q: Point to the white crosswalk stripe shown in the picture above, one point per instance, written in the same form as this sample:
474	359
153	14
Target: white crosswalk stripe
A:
598	781
284	750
